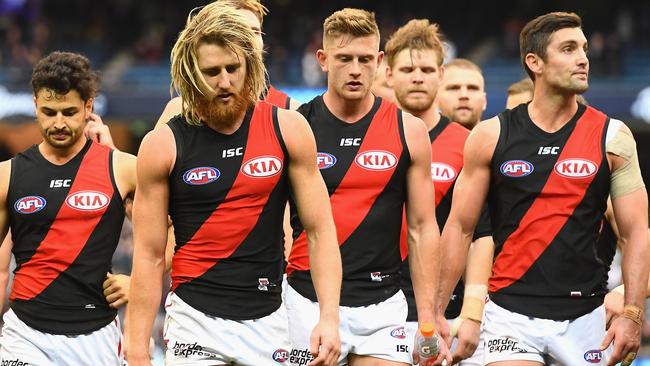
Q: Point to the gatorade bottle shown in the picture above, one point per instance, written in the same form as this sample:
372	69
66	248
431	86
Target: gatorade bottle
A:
427	343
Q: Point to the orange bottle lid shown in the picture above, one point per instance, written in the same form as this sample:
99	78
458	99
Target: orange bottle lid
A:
427	329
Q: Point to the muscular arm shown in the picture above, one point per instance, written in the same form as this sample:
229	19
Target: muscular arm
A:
174	107
7	244
155	160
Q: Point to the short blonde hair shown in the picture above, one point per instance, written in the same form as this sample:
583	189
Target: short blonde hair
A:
524	85
350	21
220	24
417	34
463	63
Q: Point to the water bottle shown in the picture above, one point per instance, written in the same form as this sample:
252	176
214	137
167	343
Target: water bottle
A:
427	343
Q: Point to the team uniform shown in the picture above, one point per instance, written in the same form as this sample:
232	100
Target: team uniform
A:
364	166
65	223
227	198
447	144
277	97
547	196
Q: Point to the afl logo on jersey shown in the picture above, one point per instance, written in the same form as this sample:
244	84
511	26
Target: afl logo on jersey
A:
280	355
576	168
87	200
30	204
398	333
325	160
201	175
441	172
593	356
262	167
516	168
376	160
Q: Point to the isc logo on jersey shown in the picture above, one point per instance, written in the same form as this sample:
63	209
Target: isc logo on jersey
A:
576	168
30	204
398	333
201	175
262	167
516	168
87	200
593	356
280	355
376	160
441	172
325	160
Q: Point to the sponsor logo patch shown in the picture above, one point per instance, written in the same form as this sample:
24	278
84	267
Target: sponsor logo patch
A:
516	168
325	160
441	172
30	204
504	345
87	200
190	349
262	167
14	362
593	356
300	357
280	355
576	168
201	175
376	160
398	333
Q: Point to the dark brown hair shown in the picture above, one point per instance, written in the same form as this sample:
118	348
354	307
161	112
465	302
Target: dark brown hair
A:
63	72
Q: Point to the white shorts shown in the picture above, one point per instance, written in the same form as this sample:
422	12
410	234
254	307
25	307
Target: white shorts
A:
24	345
376	330
510	336
195	338
475	360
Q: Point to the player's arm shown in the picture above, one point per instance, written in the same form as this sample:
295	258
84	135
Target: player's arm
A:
312	202
469	196
7	243
294	104
154	163
174	107
630	202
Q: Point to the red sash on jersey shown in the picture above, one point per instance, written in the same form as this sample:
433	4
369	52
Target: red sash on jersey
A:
277	98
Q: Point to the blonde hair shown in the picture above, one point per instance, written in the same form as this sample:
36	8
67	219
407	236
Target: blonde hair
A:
417	34
220	24
524	85
463	63
255	6
350	21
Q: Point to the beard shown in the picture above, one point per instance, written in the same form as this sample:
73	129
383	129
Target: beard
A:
415	106
214	111
61	137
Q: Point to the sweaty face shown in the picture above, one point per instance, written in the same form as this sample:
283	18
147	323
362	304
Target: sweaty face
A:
255	25
566	67
380	85
61	117
225	72
461	97
351	64
415	77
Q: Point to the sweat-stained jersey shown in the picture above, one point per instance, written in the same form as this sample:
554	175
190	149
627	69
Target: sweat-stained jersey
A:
548	193
364	166
65	224
227	198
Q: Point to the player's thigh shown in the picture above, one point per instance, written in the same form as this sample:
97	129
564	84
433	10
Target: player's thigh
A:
357	360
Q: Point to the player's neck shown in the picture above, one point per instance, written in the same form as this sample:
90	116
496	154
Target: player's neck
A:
349	111
550	110
430	116
61	155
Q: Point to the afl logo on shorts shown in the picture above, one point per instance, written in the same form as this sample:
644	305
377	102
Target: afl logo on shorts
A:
398	333
201	175
516	168
441	172
325	160
593	356
280	355
376	160
87	200
30	204
576	168
262	167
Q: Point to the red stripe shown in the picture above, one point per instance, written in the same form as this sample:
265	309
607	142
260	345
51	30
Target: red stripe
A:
70	230
553	207
360	187
234	219
276	97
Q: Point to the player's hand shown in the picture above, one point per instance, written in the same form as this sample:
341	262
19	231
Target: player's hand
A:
614	303
138	361
468	335
97	131
626	335
325	344
443	328
444	355
116	289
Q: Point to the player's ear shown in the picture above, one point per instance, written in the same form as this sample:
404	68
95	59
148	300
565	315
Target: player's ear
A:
88	107
321	56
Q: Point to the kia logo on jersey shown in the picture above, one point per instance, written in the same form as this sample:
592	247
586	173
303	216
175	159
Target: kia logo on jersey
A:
516	168
87	200
376	160
576	168
398	333
280	355
325	160
441	172
593	356
262	167
201	175
30	204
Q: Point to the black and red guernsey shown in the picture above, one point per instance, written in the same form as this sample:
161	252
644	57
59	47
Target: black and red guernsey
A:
364	166
547	196
227	198
447	144
277	97
65	223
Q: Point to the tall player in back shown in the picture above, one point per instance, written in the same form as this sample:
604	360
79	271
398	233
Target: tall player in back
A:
546	169
223	171
375	160
64	202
